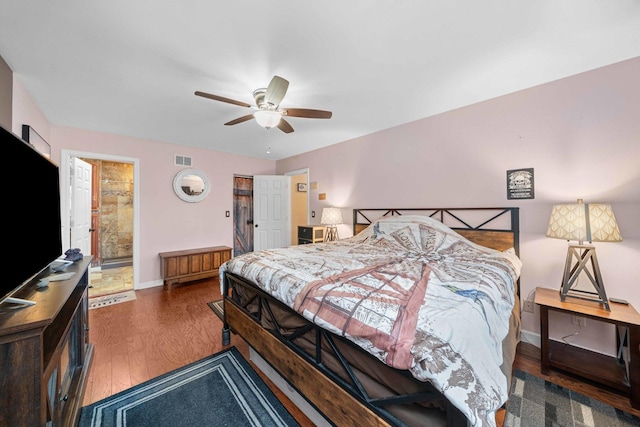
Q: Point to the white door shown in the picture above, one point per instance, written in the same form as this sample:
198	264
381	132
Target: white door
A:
271	200
80	224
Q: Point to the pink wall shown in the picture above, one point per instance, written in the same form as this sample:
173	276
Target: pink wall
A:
26	112
6	95
166	222
580	134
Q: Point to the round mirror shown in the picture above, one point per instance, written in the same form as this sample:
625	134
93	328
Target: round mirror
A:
191	185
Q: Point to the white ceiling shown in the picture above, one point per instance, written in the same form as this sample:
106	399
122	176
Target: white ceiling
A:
131	67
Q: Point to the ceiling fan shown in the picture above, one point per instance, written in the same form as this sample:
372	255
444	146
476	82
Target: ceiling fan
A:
268	113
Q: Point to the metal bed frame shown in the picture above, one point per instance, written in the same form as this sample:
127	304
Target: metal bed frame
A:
282	352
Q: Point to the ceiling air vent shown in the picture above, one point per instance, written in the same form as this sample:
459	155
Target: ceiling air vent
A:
182	161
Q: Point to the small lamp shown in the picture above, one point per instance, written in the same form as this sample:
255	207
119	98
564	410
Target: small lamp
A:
579	221
331	217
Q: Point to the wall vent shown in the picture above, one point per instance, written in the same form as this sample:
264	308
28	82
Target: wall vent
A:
182	161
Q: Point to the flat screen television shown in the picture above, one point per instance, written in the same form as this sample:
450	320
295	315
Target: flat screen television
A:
34	208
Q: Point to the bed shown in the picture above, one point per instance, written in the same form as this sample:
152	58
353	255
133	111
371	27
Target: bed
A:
412	321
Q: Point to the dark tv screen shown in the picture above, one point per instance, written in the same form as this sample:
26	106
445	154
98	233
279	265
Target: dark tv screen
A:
33	205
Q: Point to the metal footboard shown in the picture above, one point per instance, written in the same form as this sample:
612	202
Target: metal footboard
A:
260	307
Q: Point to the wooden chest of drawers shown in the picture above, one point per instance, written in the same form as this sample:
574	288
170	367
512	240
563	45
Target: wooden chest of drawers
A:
192	264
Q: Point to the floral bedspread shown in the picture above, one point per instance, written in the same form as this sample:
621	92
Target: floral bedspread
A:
413	293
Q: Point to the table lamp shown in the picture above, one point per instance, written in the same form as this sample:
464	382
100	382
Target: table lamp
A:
593	222
331	217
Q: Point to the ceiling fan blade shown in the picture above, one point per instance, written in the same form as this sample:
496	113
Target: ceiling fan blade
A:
222	99
305	112
239	120
284	126
276	90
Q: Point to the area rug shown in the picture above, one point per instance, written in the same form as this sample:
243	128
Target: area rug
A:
218	308
220	390
536	402
103	301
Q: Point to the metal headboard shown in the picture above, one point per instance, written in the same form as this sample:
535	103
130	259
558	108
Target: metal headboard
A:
493	227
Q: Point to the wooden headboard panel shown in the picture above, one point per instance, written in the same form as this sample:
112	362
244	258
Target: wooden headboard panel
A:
496	228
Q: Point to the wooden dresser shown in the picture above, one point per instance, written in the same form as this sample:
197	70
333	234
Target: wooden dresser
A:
45	353
192	264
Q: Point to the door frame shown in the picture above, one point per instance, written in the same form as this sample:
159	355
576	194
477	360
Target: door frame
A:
65	198
290	173
300	172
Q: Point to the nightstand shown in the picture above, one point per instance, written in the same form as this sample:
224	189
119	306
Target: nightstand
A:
310	234
621	373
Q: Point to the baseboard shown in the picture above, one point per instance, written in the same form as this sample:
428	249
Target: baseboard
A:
289	391
148	285
531	338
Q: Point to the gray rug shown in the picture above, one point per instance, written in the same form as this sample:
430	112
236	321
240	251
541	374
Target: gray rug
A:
220	390
218	308
535	402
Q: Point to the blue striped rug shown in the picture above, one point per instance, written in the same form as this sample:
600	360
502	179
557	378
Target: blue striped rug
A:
221	390
536	402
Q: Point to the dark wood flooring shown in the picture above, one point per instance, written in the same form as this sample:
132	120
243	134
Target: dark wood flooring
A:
160	331
163	330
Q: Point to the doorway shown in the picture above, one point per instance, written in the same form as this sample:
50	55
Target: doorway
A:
111	213
243	215
299	201
114	219
111	227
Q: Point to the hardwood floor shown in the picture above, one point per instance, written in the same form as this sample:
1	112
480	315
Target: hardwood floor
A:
163	330
528	360
160	331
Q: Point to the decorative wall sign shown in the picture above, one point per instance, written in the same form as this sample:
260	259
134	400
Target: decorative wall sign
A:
520	184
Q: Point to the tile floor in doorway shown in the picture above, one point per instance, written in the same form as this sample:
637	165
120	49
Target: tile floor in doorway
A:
110	281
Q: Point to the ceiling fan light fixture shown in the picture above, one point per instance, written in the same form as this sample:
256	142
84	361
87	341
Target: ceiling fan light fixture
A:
267	119
267	107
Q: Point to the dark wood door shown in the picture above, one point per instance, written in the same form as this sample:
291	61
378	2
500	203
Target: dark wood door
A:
242	215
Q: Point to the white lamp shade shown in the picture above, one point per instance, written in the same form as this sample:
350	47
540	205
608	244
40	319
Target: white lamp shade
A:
331	216
267	119
593	222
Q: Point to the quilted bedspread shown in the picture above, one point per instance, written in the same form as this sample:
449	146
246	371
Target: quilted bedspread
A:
413	293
